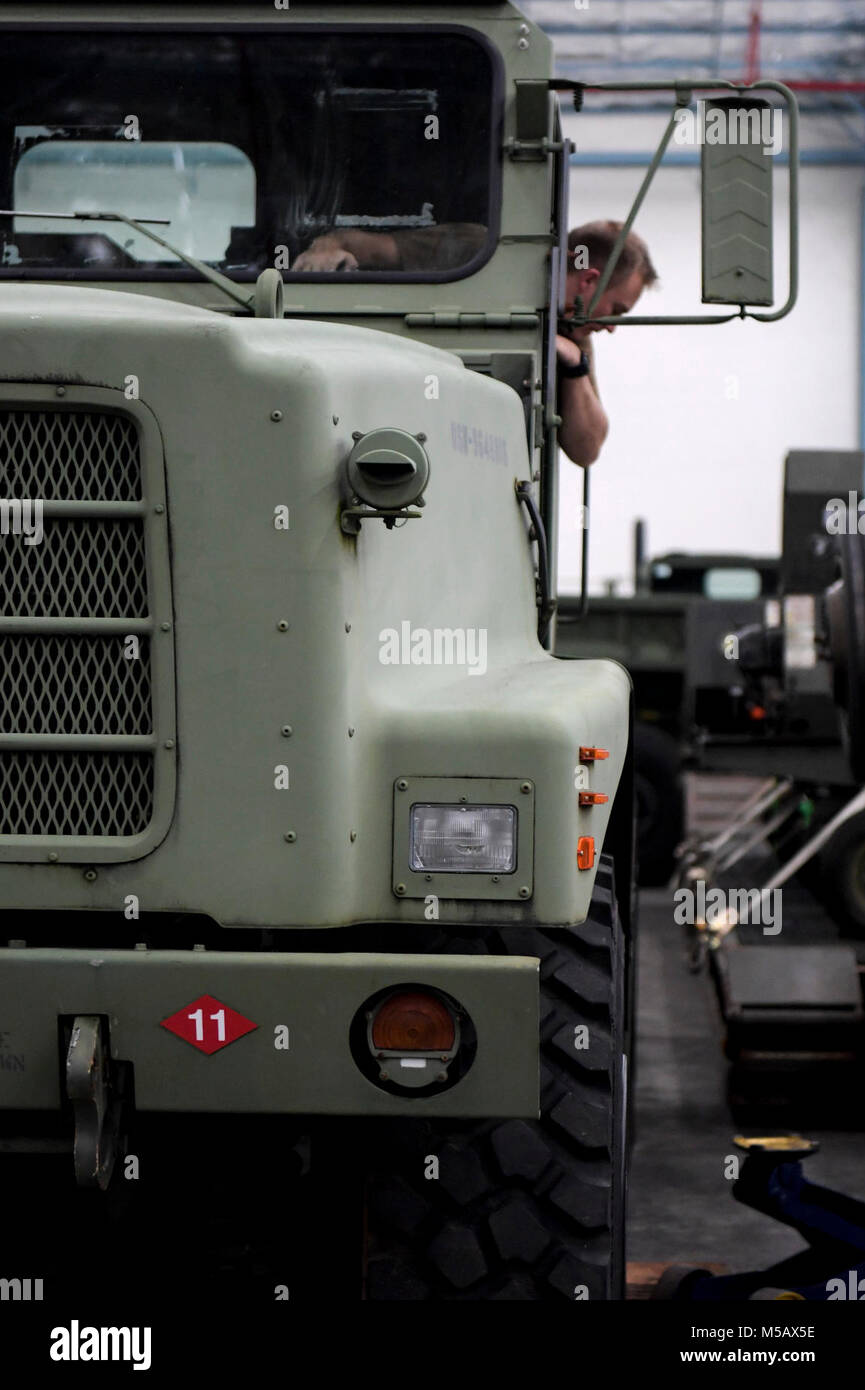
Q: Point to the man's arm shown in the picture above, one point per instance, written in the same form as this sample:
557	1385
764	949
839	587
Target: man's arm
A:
348	249
442	247
584	424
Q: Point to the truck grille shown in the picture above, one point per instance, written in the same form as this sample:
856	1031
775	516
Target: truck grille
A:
83	568
76	690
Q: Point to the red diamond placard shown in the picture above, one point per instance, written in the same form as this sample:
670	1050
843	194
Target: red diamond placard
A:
208	1024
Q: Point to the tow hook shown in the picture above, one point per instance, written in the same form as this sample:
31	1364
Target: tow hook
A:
97	1101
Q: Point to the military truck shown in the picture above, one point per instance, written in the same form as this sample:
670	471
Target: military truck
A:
316	865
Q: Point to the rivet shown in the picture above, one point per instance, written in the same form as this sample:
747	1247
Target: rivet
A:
525	786
495	878
442	1076
428	878
276	416
287	731
351	731
169	743
524	892
357	434
60	391
421	438
282	625
290	836
402	784
165	627
352	835
91	875
159	508
53	856
400	888
383	1076
522	43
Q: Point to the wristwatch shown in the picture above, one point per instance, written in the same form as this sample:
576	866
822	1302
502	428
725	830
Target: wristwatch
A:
582	369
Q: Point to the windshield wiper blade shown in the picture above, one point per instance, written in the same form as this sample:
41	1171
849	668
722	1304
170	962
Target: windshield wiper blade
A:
214	276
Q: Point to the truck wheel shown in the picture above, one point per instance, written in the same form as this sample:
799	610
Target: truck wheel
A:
520	1209
660	805
842	873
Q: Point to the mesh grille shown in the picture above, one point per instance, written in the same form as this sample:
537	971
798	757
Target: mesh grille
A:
82	568
73	685
68	456
75	793
58	683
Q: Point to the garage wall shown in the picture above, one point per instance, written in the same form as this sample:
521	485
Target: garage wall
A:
701	417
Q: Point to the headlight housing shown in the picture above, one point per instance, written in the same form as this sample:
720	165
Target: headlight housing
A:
463	839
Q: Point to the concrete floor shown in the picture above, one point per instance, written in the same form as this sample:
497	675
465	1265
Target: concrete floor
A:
681	1207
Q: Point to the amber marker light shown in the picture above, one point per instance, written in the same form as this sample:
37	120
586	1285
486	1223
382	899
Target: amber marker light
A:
413	1022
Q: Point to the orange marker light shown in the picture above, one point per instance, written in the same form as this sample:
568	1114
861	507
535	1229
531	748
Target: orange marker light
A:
592	798
413	1023
589	755
585	851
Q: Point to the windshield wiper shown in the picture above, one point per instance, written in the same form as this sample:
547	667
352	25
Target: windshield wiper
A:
214	276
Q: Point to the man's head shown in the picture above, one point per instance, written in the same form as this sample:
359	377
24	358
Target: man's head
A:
589	249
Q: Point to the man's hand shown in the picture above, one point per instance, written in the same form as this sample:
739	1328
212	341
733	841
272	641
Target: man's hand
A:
325	253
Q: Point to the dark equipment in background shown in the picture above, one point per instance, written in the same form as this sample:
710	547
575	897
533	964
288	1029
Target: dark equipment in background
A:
793	1006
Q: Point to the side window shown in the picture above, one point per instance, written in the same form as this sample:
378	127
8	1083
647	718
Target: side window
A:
733	583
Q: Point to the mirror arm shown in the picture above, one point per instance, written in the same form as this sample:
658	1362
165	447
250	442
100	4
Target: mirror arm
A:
684	92
683	99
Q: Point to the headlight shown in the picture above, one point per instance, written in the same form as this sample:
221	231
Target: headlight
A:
463	839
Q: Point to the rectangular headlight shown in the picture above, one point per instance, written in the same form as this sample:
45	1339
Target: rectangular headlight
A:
463	839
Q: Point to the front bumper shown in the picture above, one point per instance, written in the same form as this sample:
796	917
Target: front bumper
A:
305	1000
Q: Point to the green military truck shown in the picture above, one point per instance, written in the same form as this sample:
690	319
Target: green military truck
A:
316	866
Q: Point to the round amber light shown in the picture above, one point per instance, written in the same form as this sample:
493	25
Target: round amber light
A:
413	1023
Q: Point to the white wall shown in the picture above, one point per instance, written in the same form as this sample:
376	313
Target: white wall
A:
702	417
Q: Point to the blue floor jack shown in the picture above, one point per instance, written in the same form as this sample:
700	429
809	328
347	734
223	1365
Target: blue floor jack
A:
832	1267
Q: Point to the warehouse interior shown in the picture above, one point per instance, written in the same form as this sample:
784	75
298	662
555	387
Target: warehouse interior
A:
701	422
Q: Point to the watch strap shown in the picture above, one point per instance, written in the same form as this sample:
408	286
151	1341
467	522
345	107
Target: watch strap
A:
582	369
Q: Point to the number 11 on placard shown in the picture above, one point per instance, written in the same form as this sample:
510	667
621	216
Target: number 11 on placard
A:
198	1019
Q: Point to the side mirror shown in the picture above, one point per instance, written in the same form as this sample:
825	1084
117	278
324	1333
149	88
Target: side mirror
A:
739	138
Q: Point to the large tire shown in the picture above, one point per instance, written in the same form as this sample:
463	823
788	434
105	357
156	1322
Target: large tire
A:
842	876
521	1209
660	804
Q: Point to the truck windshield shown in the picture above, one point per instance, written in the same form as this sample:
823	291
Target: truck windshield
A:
369	153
